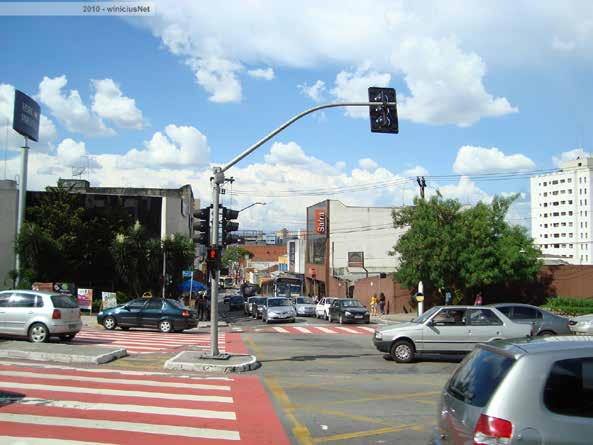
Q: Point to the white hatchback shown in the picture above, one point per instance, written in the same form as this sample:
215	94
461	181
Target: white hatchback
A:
322	308
38	315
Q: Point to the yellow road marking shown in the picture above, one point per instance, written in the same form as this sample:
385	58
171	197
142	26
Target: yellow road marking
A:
372	399
427	402
346	436
331	412
300	431
255	348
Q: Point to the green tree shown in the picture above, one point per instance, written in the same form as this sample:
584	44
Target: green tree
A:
234	254
463	250
180	255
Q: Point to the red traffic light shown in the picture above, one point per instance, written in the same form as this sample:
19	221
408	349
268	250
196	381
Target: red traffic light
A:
212	254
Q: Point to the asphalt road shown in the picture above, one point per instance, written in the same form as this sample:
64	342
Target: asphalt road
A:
337	388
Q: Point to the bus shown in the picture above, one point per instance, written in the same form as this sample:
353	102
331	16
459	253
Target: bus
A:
282	287
225	282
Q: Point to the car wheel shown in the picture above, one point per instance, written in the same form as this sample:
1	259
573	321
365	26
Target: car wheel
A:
165	326
341	320
67	337
109	323
38	333
546	333
402	351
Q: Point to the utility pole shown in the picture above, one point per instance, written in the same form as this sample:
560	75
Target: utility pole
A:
383	113
422	184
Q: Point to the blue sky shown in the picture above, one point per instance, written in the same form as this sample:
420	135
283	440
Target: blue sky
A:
484	88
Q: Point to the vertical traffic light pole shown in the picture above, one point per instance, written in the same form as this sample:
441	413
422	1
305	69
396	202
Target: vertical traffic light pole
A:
381	107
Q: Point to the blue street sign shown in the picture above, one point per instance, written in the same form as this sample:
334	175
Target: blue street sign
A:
187	273
27	114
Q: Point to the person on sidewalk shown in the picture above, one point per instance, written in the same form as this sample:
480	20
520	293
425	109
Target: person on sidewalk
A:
374	304
382	303
207	308
201	307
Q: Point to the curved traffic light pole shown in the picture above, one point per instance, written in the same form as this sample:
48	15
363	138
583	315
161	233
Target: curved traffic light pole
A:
219	179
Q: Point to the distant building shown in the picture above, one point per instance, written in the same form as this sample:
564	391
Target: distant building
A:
561	222
8	215
345	244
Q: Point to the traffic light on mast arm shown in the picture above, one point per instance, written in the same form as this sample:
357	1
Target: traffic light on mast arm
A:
383	116
228	225
202	226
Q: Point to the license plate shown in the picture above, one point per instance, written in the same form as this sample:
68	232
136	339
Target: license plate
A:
358	316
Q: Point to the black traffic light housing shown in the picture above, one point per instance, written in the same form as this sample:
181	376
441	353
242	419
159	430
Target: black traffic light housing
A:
383	116
228	225
201	224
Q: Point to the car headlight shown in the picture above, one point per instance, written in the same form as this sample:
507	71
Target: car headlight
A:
366	313
378	335
348	313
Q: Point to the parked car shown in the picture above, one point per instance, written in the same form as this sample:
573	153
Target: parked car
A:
257	306
165	314
247	305
39	315
582	325
348	310
447	329
525	391
304	306
546	323
279	309
322	308
235	302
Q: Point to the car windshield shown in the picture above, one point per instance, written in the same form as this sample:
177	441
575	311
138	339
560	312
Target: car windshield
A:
304	300
351	303
274	302
425	316
260	300
64	302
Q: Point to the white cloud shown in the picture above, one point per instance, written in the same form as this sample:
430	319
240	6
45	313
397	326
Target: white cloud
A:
416	171
110	103
70	152
266	74
569	155
477	160
69	108
353	87
367	164
316	92
47	129
218	77
466	191
440	52
183	146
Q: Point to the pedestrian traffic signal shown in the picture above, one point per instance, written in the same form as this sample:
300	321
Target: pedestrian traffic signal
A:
228	225
383	116
213	257
202	226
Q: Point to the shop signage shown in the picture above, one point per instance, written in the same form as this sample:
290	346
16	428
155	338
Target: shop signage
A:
355	259
109	299
85	298
320	222
26	116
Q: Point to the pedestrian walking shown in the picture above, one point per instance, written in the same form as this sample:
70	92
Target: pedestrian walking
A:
382	303
478	301
374	304
447	298
207	308
201	307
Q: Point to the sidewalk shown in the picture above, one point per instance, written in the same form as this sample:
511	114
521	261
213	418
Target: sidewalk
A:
392	318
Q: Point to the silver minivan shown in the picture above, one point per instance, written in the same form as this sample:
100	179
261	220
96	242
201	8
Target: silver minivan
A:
447	329
520	392
38	315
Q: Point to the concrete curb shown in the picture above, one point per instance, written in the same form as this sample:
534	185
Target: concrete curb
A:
205	365
64	358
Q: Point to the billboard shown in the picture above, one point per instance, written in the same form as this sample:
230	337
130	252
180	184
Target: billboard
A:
320	222
109	299
26	116
85	298
355	259
291	255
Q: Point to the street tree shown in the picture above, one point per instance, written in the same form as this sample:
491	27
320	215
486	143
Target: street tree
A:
464	250
234	254
179	251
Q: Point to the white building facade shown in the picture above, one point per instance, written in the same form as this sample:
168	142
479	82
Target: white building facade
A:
561	212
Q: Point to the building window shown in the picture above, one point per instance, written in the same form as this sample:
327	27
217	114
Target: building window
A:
545	204
554	182
545	194
570	247
555	193
570	235
562	202
562	181
569	180
545	225
569	191
570	201
580	182
562	192
563	213
563	224
570	213
570	224
545	235
556	246
545	183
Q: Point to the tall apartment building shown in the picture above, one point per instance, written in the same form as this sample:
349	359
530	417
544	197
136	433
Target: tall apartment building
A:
561	223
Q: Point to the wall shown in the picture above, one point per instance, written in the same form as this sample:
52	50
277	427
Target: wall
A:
362	229
397	298
8	216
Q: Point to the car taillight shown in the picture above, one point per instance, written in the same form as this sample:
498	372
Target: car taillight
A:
185	314
492	431
56	315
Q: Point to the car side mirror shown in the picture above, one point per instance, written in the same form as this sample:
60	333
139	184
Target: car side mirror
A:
430	323
127	308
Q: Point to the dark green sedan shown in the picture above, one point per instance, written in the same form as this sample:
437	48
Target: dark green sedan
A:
165	314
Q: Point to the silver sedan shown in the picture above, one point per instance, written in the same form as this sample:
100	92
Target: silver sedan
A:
582	325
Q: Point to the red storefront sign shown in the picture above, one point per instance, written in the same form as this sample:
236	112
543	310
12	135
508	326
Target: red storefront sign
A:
320	222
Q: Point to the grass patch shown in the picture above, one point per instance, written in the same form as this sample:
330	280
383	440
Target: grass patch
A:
569	305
